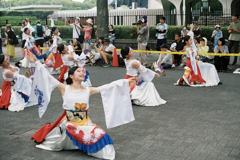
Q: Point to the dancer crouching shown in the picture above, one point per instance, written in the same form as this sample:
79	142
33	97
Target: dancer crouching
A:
143	92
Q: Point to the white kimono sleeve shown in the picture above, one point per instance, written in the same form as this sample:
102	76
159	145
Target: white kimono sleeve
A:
53	47
43	85
22	84
80	59
146	75
117	103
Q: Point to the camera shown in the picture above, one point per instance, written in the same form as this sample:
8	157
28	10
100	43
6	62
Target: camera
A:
137	23
23	22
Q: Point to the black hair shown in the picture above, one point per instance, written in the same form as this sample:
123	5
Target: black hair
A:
25	29
111	25
179	34
236	15
185	39
53	29
102	38
124	51
196	39
222	40
50	41
60	48
202	39
164	46
2	57
71	72
196	23
163	18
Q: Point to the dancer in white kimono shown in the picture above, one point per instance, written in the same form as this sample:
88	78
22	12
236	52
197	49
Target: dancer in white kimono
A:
74	129
197	73
143	92
70	58
15	89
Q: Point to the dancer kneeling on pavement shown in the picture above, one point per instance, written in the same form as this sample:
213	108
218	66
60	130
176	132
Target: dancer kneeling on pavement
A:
69	58
143	92
74	129
107	54
15	89
197	73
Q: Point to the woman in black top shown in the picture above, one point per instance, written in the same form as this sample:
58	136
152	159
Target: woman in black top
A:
111	34
76	46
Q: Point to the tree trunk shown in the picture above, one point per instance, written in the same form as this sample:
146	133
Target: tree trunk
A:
102	18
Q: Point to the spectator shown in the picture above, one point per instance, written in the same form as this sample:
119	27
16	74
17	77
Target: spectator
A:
76	46
217	33
142	41
1	40
203	48
165	59
161	33
39	31
197	31
177	46
196	41
106	54
96	54
184	31
234	38
76	25
89	34
10	41
111	34
221	62
47	34
49	45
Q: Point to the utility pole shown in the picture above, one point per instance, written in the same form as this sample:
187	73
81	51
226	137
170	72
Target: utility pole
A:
102	18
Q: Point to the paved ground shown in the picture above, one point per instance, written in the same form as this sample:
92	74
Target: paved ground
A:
196	123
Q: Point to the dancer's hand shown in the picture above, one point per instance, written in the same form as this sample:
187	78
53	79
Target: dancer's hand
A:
192	26
157	75
133	79
31	57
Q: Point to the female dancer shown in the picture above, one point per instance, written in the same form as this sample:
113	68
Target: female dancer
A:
74	129
143	92
89	33
197	73
54	61
15	89
69	59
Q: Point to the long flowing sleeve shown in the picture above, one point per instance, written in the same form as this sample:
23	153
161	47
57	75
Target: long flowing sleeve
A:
146	75
192	57
117	103
43	85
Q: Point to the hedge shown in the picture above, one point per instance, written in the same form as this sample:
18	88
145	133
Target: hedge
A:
38	14
130	32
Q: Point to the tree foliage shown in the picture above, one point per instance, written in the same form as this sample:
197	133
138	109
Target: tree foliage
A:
67	4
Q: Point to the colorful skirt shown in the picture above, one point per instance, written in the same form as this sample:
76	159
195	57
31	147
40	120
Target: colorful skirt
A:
10	50
75	130
145	93
5	95
207	75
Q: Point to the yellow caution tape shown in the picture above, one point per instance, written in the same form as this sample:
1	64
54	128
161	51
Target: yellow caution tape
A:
158	52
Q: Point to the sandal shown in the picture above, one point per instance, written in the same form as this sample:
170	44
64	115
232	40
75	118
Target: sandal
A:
93	64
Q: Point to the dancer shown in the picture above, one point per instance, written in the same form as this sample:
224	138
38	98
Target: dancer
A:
197	73
15	89
143	92
54	61
69	59
74	129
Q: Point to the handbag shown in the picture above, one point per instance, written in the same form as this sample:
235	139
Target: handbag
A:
80	37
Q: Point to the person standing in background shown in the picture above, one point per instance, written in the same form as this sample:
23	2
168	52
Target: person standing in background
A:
111	34
161	33
197	31
234	38
75	26
38	34
184	31
217	33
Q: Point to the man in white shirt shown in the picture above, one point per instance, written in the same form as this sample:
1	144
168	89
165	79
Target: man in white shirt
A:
161	33
76	30
107	54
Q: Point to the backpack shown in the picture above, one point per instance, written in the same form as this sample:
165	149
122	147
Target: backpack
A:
39	31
